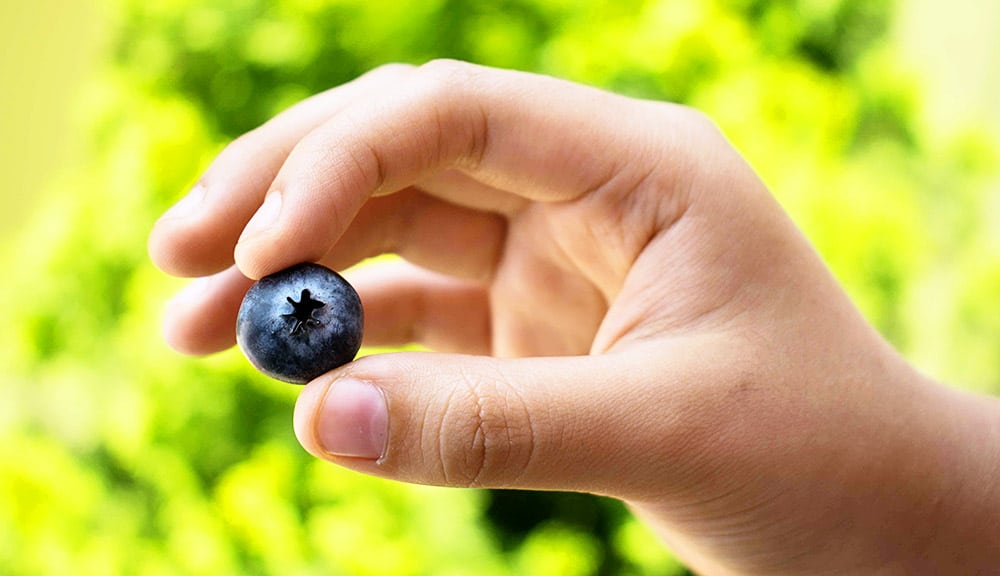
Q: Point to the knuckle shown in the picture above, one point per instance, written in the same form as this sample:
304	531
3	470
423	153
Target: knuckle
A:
689	121
245	143
698	121
486	437
392	69
453	96
442	85
448	74
701	157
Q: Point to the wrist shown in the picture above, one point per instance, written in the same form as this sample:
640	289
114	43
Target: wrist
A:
899	479
933	506
962	525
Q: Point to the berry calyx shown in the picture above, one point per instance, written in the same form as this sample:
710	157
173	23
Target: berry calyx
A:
302	311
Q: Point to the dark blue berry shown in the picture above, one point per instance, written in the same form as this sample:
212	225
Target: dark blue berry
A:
299	323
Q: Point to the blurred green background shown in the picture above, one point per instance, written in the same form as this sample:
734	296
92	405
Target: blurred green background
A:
872	121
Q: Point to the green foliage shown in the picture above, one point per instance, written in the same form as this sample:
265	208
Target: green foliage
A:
119	457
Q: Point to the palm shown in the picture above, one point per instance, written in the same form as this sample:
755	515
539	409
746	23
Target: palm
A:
542	301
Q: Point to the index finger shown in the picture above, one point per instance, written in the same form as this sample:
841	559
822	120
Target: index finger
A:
541	138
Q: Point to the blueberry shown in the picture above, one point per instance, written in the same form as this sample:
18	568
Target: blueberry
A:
299	323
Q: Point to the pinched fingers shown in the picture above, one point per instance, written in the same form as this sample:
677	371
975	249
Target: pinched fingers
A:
433	163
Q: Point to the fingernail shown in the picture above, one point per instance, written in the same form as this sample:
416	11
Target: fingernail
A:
266	215
186	206
353	420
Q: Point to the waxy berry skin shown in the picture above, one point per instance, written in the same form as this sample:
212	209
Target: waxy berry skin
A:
299	323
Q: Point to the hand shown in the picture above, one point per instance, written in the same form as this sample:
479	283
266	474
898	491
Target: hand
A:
627	309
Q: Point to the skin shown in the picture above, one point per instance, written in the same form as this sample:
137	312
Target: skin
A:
617	305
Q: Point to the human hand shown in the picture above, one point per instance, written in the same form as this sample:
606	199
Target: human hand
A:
626	310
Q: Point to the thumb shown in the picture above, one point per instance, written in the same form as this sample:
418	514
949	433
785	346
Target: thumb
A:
588	423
